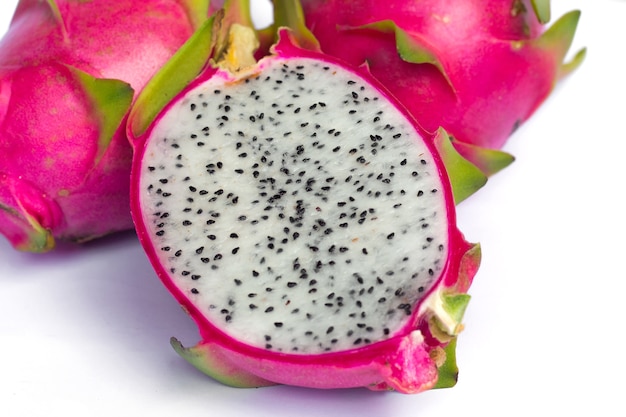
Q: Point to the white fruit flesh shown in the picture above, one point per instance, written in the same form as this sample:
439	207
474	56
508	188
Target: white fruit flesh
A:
298	209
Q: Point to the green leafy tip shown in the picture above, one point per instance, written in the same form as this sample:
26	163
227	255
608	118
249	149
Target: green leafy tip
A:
197	11
172	78
455	305
558	40
449	371
409	47
489	161
465	177
32	236
111	101
288	13
542	10
209	361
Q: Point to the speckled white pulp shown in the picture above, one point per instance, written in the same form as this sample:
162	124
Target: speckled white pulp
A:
299	210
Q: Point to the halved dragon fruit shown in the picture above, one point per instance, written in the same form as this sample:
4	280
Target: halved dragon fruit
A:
68	73
477	68
302	218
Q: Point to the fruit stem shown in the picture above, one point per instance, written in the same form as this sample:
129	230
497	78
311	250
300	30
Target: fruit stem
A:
236	38
288	13
238	53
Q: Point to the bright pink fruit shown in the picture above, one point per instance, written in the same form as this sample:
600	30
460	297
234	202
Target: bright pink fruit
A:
476	68
68	73
304	221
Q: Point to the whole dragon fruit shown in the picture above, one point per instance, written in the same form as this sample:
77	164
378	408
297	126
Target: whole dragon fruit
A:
301	217
477	68
68	73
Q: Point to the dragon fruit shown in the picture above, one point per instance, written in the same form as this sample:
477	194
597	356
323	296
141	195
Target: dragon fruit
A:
477	68
69	70
301	217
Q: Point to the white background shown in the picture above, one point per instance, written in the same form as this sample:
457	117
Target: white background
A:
84	330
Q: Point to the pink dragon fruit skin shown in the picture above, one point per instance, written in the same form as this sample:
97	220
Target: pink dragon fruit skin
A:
418	357
69	70
478	69
410	363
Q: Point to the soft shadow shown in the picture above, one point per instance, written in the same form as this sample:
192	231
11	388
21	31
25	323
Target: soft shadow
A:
17	263
107	286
